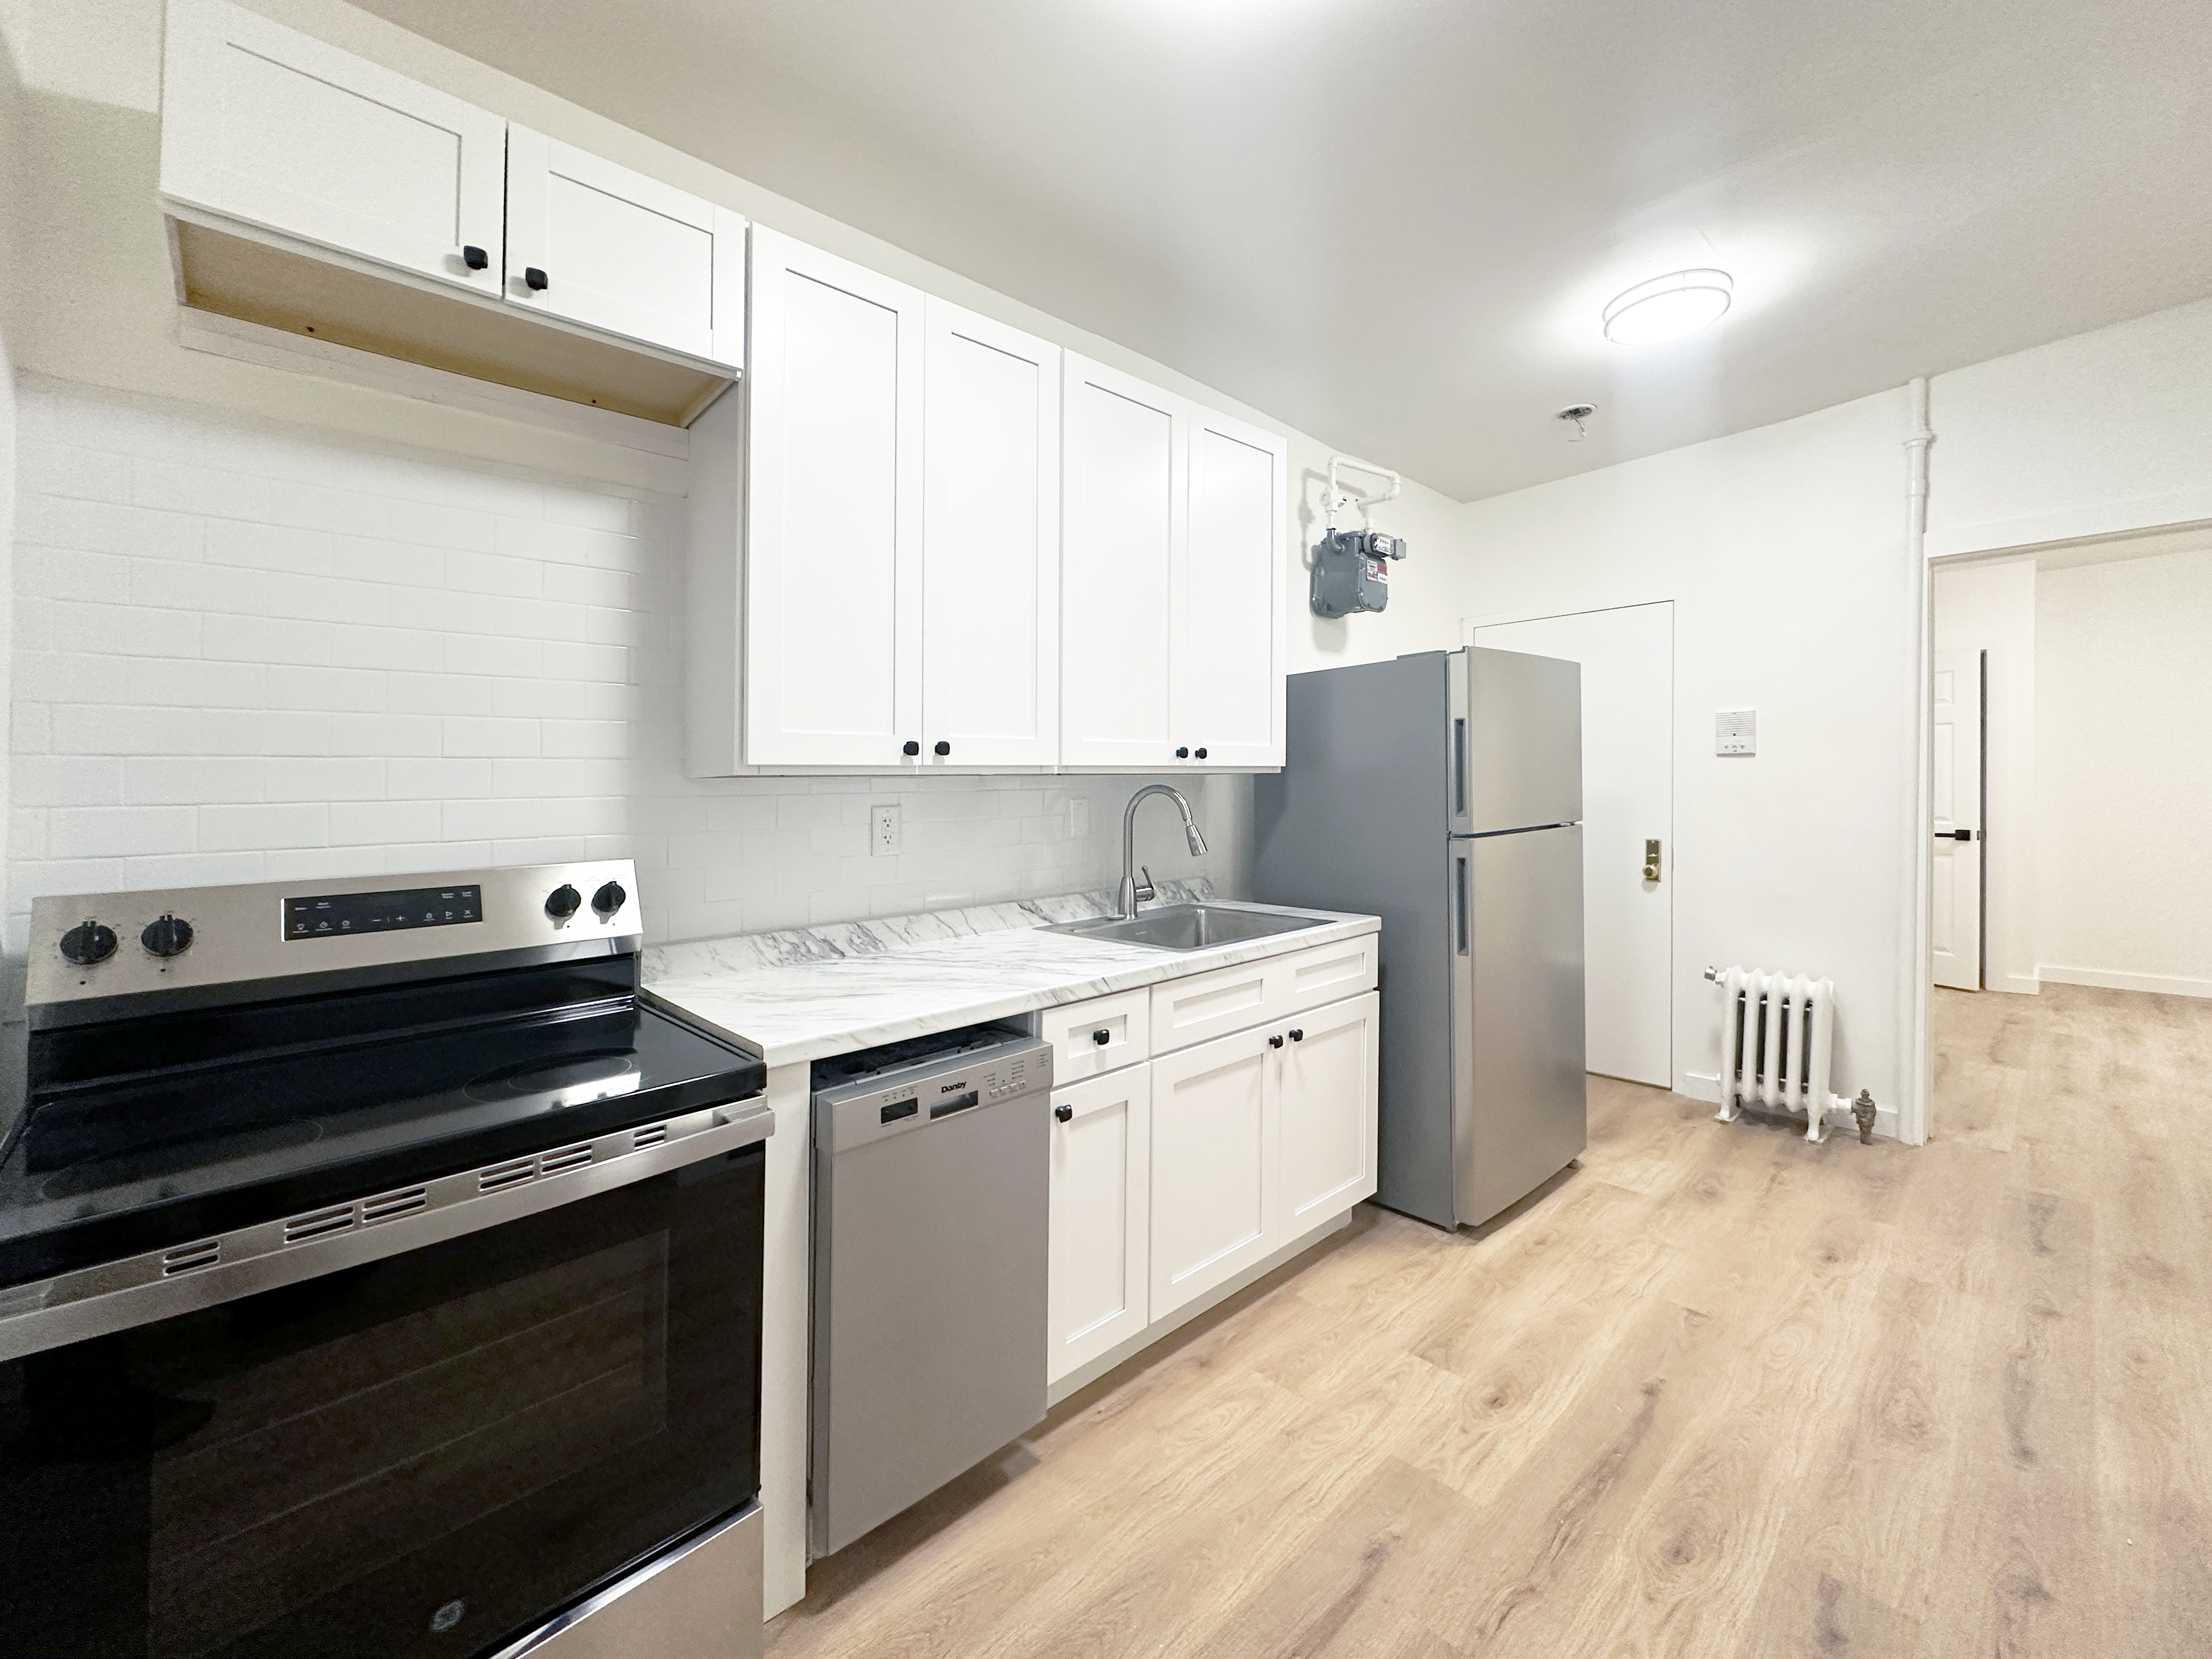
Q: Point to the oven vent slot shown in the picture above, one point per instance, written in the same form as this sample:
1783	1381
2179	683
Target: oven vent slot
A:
185	1257
393	1206
501	1177
318	1224
568	1158
651	1135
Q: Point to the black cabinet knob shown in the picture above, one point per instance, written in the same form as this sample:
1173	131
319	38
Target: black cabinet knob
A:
1297	1035
1183	754
167	936
943	747
1202	754
534	280
1274	1043
563	902
909	747
88	942
475	257
1063	1112
610	898
1102	1036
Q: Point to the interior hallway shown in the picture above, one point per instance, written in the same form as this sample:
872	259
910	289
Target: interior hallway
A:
1718	1393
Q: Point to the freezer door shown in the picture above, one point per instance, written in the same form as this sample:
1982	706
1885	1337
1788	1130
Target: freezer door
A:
1517	1031
1524	724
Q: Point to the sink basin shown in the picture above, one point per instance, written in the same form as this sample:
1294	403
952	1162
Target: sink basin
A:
1187	926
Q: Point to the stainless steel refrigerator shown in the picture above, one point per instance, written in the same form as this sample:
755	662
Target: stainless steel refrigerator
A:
1443	792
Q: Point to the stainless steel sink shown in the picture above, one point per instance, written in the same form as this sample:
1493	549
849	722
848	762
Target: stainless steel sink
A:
1187	926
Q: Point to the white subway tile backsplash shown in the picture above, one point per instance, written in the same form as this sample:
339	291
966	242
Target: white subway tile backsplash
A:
245	653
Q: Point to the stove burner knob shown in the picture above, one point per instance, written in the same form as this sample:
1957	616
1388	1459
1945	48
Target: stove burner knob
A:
609	899
563	902
168	936
88	942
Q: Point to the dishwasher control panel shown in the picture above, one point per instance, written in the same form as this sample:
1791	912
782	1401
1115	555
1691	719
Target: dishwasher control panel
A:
864	1098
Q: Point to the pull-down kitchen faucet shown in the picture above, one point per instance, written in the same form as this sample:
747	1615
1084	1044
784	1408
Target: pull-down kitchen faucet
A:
1132	894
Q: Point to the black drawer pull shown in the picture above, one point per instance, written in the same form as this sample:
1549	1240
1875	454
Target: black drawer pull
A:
1102	1036
1063	1112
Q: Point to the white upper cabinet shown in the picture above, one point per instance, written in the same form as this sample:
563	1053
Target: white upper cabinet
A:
596	243
1226	682
990	584
1171	621
266	125
1125	509
832	660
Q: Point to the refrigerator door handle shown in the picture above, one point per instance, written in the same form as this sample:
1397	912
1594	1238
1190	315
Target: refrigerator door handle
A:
1460	874
1459	768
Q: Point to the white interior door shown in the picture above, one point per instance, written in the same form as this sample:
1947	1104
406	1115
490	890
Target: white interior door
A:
1954	932
1627	658
990	581
833	512
1227	691
620	252
264	124
1125	513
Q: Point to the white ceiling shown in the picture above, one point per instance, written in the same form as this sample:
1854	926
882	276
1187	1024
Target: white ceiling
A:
1393	222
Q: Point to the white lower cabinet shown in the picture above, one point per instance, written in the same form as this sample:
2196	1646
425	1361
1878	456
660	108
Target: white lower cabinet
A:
1329	1112
1100	1193
1215	1191
1173	1175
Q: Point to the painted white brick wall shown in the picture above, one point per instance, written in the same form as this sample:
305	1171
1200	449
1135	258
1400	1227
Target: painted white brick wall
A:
245	653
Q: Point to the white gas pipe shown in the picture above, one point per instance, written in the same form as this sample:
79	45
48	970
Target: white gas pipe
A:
1340	498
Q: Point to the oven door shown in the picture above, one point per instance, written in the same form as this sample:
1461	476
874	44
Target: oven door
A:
425	1455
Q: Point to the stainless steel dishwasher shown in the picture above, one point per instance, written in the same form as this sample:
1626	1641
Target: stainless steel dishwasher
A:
930	1235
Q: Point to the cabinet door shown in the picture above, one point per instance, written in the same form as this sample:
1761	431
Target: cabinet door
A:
262	124
622	253
833	511
1329	1097
1100	1183
990	534
1215	1165
1227	617
1124	512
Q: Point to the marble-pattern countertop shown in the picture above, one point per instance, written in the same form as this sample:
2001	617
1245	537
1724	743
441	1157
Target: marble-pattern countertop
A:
812	992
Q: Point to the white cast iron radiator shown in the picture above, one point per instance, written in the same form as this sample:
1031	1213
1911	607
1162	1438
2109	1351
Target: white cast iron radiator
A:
1777	1030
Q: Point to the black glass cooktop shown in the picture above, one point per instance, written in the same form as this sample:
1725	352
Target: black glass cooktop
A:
155	1132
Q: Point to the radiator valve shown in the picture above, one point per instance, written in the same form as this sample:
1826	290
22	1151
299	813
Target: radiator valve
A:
1863	1110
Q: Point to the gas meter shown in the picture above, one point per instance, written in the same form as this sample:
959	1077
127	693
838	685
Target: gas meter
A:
1351	571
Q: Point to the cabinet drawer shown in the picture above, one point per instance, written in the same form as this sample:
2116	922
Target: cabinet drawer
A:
1098	1036
1323	973
1211	1005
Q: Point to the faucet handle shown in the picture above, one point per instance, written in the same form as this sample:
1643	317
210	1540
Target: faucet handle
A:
1145	892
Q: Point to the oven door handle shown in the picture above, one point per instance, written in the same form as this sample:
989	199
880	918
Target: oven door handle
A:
159	1284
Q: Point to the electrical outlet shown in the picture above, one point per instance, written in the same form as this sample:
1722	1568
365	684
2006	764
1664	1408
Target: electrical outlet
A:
883	827
1078	817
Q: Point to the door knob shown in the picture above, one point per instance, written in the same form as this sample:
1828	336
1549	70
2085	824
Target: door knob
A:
909	747
1202	754
1297	1035
1650	860
943	747
475	257
1102	1036
1183	753
1274	1043
1063	1112
534	280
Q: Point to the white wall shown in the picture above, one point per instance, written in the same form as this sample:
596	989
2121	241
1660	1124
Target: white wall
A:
2100	434
2124	771
248	652
1989	605
1783	550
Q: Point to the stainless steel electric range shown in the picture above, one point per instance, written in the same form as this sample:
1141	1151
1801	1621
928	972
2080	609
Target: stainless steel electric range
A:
379	1278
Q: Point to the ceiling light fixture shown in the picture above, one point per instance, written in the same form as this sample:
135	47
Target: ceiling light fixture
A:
1668	306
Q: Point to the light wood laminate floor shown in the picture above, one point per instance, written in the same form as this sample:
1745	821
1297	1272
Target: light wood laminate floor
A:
1717	1393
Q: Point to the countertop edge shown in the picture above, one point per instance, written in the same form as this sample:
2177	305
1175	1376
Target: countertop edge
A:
1153	967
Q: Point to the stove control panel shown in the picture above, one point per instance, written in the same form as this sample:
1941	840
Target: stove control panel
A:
99	946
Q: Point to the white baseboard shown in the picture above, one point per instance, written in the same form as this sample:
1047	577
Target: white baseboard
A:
2171	985
2025	985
